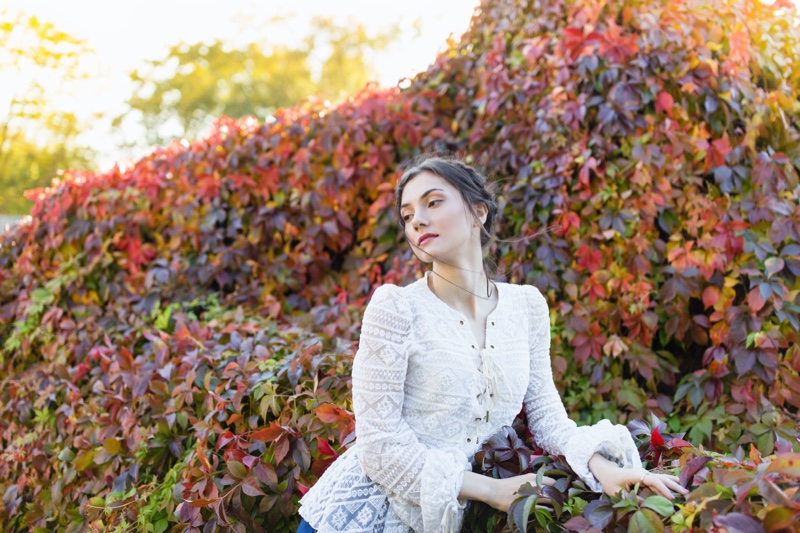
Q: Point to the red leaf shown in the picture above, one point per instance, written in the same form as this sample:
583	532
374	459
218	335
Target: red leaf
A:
655	438
281	448
224	439
755	300
710	296
664	102
251	488
325	448
265	473
678	443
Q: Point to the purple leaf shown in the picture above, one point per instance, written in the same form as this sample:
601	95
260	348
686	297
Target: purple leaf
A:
692	468
738	523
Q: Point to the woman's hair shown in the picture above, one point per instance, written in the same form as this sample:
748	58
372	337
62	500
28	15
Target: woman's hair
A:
471	184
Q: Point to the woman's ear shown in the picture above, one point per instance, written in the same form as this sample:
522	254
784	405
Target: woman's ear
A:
483	212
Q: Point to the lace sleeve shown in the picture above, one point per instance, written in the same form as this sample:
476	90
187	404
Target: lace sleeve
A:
426	478
548	422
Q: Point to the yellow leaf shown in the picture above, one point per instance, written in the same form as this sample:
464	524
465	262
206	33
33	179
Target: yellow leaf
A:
112	445
731	282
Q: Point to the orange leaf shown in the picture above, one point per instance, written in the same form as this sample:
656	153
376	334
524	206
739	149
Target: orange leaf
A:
268	434
201	455
787	464
331	414
754	454
200	502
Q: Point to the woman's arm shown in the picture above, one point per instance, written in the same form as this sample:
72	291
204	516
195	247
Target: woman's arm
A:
425	482
584	447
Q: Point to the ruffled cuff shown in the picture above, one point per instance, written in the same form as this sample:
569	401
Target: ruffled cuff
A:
614	442
441	479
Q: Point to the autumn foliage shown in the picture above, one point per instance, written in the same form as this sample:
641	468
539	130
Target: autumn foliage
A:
177	336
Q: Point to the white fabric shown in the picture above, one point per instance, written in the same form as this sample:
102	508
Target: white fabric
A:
426	396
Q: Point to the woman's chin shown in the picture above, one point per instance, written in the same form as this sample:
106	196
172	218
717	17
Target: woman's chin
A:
423	256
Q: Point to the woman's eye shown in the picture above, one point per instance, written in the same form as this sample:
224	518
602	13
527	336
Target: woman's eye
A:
432	202
405	218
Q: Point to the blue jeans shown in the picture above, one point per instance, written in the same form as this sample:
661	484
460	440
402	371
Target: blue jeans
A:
304	527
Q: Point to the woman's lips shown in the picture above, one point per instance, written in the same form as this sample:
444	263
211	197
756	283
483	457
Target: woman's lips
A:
426	238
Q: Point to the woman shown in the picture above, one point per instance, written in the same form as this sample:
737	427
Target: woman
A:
442	364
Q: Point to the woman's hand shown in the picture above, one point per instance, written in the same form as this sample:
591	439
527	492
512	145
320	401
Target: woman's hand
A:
497	493
613	478
501	493
625	478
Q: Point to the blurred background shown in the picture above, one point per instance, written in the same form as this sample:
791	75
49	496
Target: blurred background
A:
90	84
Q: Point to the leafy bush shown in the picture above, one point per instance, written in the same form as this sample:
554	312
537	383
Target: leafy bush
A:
177	336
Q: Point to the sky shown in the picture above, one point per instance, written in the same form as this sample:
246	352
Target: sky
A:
126	34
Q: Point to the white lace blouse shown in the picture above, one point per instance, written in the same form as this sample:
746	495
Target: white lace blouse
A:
426	396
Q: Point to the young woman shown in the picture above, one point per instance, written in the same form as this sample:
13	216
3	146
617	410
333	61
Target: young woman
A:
442	364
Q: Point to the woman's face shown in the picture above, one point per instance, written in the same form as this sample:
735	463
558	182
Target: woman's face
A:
437	220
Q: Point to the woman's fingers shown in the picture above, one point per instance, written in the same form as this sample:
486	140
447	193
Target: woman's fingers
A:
665	484
677	487
531	478
657	485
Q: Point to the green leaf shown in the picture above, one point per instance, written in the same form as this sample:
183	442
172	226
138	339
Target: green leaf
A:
237	469
659	504
520	511
160	526
645	521
41	295
66	455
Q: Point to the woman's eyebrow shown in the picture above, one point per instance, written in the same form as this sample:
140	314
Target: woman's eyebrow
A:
426	193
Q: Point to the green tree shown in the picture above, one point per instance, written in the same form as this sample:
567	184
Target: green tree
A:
180	94
37	138
347	68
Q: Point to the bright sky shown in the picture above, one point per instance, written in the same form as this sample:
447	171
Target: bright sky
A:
126	34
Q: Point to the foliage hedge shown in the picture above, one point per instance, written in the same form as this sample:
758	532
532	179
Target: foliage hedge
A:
177	336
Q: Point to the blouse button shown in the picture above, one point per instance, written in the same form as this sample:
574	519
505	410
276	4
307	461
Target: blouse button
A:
473	346
461	322
493	322
469	439
491	346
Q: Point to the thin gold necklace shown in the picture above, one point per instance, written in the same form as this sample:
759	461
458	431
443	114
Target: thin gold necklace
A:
469	291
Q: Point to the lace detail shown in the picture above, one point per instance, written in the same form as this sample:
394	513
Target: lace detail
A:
426	397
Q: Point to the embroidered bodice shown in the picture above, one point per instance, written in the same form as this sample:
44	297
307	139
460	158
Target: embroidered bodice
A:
425	397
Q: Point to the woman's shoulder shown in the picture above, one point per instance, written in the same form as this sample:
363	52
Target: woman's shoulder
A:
390	290
390	296
531	294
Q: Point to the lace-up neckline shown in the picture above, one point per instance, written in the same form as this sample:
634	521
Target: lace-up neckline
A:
433	297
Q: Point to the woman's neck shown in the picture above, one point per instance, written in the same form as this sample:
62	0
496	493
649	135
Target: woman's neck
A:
465	288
